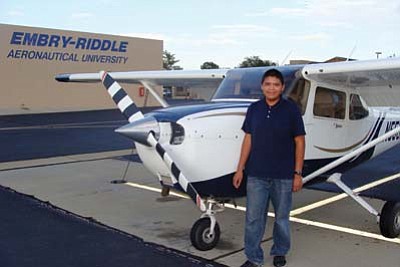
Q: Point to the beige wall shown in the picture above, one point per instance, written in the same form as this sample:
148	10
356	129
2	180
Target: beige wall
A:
28	85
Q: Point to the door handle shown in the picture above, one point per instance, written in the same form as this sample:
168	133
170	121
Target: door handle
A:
337	125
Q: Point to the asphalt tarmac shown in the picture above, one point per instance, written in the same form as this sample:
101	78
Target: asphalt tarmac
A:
36	233
24	137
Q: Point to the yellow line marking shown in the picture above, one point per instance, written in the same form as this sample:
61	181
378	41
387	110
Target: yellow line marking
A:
157	190
343	195
345	230
293	219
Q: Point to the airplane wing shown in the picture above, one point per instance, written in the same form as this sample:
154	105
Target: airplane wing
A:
184	78
377	81
357	74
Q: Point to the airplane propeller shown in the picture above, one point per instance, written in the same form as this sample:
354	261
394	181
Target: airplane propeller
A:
144	130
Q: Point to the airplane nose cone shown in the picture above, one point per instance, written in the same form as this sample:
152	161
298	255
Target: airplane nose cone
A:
139	130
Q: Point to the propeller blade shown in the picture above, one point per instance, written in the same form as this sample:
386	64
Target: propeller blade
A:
121	98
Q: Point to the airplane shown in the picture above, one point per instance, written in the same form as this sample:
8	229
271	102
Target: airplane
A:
195	148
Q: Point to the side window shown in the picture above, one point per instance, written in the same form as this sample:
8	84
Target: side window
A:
357	110
299	94
329	103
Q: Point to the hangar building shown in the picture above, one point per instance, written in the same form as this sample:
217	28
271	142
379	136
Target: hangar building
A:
31	57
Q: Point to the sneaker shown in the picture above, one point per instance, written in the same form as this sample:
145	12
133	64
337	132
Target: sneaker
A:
250	264
279	261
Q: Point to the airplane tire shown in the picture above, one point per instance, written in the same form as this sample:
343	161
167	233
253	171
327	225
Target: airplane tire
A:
199	234
389	222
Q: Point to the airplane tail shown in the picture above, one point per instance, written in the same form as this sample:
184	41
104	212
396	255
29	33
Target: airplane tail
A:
121	98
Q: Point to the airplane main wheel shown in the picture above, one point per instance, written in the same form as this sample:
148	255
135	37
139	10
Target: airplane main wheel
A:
200	234
389	222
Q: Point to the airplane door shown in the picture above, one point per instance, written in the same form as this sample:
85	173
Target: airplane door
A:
327	129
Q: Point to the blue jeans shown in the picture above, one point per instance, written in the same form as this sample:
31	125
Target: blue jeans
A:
259	192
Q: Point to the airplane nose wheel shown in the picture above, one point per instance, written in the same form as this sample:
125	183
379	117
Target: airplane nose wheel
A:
201	236
389	222
205	231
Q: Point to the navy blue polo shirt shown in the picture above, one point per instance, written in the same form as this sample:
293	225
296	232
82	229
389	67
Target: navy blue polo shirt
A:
272	130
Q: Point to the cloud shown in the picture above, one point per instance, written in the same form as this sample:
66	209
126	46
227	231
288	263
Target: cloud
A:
257	14
315	37
15	13
209	40
296	12
238	33
82	15
147	35
222	35
242	28
185	40
338	13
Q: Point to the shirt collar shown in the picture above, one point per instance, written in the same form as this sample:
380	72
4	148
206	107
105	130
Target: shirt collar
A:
277	104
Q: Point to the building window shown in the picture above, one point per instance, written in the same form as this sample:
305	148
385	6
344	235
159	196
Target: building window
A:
329	103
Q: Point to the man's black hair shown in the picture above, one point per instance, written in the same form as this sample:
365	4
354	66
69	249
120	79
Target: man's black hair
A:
273	73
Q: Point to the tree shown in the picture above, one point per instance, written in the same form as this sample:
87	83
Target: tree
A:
255	61
169	61
209	65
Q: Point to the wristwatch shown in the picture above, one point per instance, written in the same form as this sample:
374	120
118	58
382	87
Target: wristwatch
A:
298	173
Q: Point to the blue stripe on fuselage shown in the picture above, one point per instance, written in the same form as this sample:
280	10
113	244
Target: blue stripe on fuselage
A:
173	114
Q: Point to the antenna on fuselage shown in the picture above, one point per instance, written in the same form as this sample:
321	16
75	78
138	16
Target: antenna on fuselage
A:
352	52
348	59
285	58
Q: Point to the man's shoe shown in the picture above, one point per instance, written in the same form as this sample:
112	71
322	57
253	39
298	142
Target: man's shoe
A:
250	264
279	261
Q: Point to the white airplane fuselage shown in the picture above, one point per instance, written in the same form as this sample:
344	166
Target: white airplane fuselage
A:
209	149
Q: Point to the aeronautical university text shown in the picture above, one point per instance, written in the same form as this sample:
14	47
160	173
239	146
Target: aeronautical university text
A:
62	42
65	56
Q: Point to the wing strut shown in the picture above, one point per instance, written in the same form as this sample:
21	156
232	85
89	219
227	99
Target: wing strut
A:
336	179
154	93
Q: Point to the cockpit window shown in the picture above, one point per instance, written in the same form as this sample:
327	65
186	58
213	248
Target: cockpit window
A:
299	94
357	109
245	83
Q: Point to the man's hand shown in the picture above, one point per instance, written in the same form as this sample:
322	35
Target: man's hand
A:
297	183
237	179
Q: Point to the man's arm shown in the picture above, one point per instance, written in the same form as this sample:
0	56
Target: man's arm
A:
244	155
300	145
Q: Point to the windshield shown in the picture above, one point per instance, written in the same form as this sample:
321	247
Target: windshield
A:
245	83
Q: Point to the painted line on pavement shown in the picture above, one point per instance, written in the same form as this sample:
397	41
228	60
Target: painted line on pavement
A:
293	219
343	195
94	124
67	159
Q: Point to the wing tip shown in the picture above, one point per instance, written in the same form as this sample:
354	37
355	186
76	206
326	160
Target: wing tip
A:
62	78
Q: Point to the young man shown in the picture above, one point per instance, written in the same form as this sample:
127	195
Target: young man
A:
272	155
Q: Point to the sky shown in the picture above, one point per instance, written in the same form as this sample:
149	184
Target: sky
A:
227	31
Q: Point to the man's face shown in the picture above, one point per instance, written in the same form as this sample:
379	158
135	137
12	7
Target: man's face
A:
272	88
